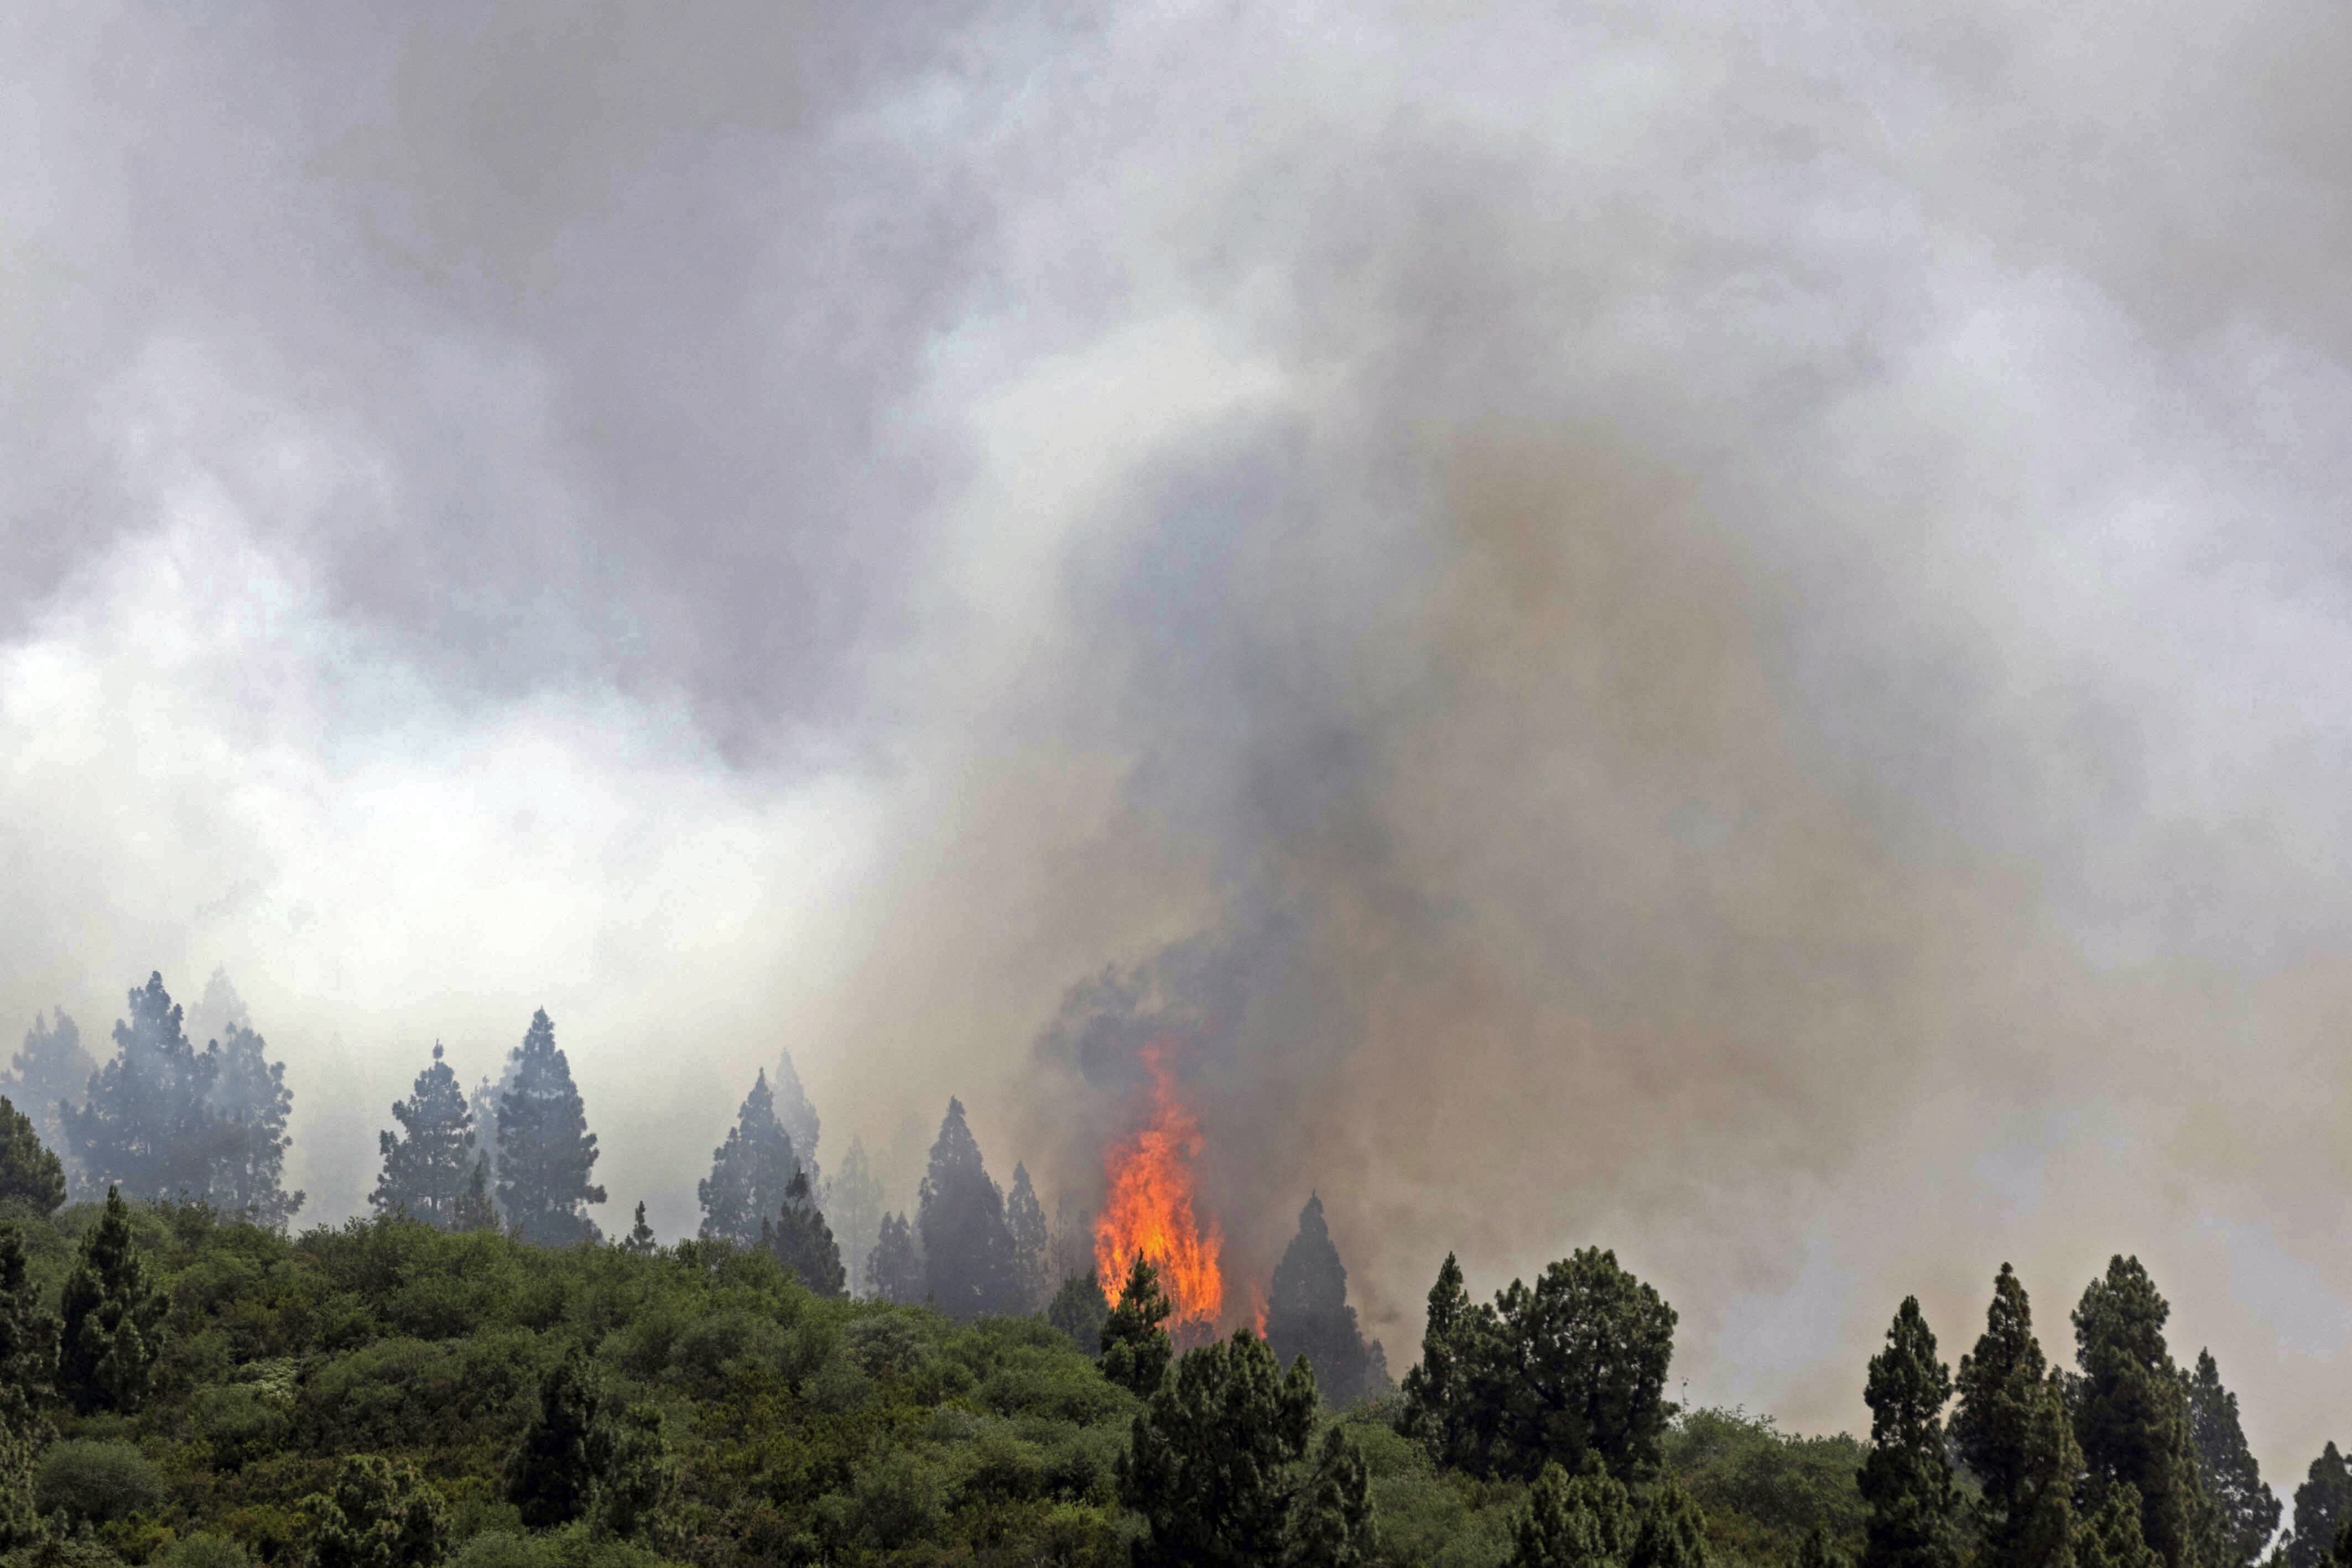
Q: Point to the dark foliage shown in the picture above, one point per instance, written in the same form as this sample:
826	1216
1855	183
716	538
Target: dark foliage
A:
2012	1431
1025	1219
29	1340
545	1149
893	1271
1907	1481
800	1240
748	1172
1587	1520
30	1173
379	1515
1136	1350
968	1264
49	1069
1208	1465
429	1166
112	1330
2323	1506
1331	1522
2249	1510
1079	1311
1306	1313
2131	1415
554	1474
640	1241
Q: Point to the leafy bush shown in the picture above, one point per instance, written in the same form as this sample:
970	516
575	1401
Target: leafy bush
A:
98	1481
205	1551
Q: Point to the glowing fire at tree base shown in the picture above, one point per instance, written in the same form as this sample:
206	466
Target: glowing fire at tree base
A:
1149	1209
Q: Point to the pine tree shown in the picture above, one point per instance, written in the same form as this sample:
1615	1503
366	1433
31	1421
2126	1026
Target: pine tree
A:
893	1271
20	1526
1905	1481
429	1164
1581	1522
114	1319
380	1515
1439	1402
554	1475
1673	1533
249	1099
30	1175
1331	1521
1025	1218
853	1202
1206	1462
2132	1414
639	1478
476	1209
1577	1363
545	1149
1079	1311
640	1242
50	1069
146	1126
2323	1505
797	1115
28	1341
1307	1312
1136	1350
2110	1537
748	1172
483	1105
1817	1550
967	1247
2001	1432
2249	1509
800	1240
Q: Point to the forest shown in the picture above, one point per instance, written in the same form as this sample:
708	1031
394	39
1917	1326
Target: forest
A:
474	1374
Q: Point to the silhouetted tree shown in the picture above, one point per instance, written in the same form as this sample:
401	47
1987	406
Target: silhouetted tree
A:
1136	1350
1673	1533
960	1212
2226	1469
1331	1519
146	1126
853	1203
50	1069
31	1174
640	1242
483	1105
798	1116
1025	1218
1079	1311
545	1149
379	1515
1907	1481
429	1164
113	1332
800	1240
1441	1405
250	1098
748	1172
2323	1506
1307	1311
1206	1463
2131	1414
554	1475
893	1271
476	1209
1587	1520
2002	1430
2110	1537
29	1340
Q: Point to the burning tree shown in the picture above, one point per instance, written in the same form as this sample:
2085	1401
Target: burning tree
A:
1148	1211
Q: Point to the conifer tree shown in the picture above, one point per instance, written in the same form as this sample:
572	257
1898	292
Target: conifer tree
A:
545	1149
1206	1463
749	1172
1079	1311
2131	1415
1025	1218
1587	1520
29	1340
639	1478
1817	1550
48	1069
429	1164
800	1240
2002	1432
2249	1510
30	1175
21	1525
960	1212
1905	1481
1136	1350
483	1104
477	1209
1577	1363
1673	1533
2110	1537
145	1126
798	1116
380	1515
2323	1506
1331	1522
112	1333
249	1099
1308	1314
893	1271
554	1475
853	1203
1440	1403
640	1242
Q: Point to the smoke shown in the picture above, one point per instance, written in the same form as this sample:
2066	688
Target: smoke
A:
1715	634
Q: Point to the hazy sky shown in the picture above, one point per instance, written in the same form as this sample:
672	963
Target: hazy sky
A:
1721	631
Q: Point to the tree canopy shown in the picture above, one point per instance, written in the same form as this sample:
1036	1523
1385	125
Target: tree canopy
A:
545	1149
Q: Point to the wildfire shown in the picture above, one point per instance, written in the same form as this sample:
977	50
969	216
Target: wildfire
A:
1149	1209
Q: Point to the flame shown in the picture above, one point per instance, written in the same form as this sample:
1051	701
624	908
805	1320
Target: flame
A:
1257	1309
1150	1209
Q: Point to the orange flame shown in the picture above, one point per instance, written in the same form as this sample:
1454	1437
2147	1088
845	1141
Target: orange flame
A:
1257	1309
1150	1209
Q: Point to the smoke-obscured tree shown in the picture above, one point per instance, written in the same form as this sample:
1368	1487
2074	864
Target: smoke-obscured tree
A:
1442	1410
2131	1414
1025	1218
1585	1520
1306	1313
2249	1510
639	1242
483	1105
800	1240
1079	1311
250	1098
545	1149
2010	1429
477	1207
853	1202
379	1515
960	1213
2110	1537
1331	1519
1208	1460
2323	1505
1906	1480
29	1340
1673	1533
31	1176
113	1319
554	1475
798	1116
49	1069
1136	1350
429	1164
146	1125
748	1172
893	1270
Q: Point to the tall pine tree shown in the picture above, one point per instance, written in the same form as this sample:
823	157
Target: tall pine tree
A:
48	1069
112	1333
749	1172
1441	1409
2003	1432
894	1270
853	1202
146	1125
545	1149
798	1116
1135	1349
29	1340
429	1164
2249	1509
2323	1506
250	1098
30	1175
966	1246
1208	1461
2131	1415
1024	1217
800	1240
1306	1313
1907	1481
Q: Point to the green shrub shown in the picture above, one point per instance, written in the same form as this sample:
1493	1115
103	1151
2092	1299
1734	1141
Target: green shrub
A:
98	1481
205	1551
